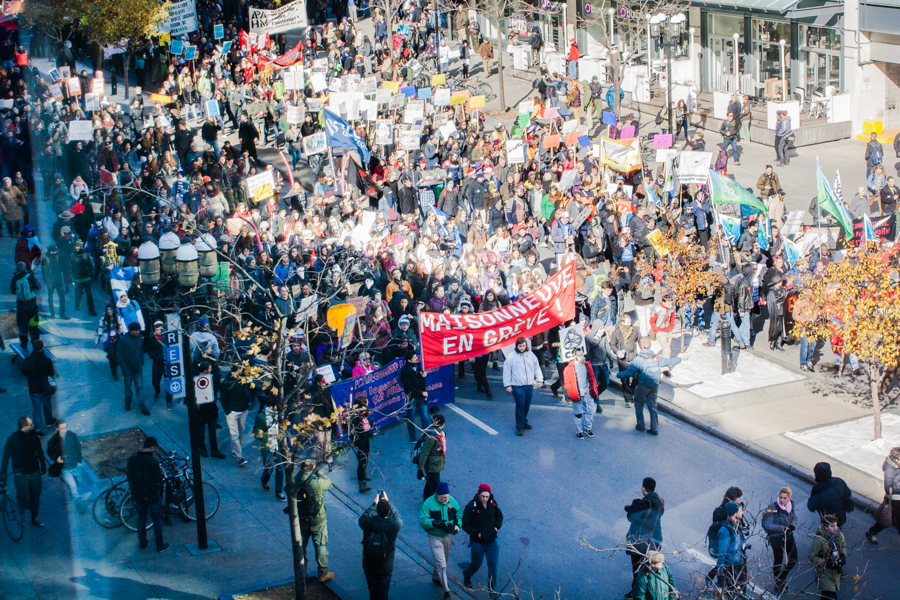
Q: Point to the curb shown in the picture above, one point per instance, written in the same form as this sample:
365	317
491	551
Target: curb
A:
670	409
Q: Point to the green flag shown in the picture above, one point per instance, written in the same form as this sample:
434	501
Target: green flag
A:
521	124
829	203
729	191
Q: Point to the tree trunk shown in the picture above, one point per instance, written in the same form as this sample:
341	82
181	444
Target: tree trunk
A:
500	68
125	73
683	311
875	381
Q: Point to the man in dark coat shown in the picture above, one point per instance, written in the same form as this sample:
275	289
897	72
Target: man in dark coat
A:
23	450
130	352
830	495
482	520
381	524
248	135
145	482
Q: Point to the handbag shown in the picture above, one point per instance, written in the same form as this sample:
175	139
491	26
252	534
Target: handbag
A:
50	386
883	514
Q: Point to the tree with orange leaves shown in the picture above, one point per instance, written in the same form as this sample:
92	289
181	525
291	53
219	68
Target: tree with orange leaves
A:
858	301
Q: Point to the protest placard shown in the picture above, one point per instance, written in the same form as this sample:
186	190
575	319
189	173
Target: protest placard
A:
409	139
212	108
441	97
81	131
316	143
515	151
73	85
91	102
294	115
476	102
383	132
261	186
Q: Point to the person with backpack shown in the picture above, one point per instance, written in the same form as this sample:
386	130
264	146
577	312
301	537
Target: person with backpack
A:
643	285
828	552
646	369
39	370
430	453
731	551
779	522
830	495
25	286
310	496
440	518
381	524
128	311
625	343
482	520
719	516
265	429
145	482
645	529
656	581
874	153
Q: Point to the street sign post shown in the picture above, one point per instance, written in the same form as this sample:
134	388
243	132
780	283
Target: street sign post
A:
174	363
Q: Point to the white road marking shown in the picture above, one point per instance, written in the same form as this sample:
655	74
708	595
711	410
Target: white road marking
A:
472	419
707	560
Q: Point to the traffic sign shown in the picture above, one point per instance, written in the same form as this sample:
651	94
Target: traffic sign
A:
175	386
203	389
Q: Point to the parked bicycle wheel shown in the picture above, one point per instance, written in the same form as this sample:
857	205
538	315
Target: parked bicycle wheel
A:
211	501
12	519
485	89
128	513
106	507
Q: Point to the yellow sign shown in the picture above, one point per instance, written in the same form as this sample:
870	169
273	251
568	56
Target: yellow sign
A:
394	86
474	102
655	238
439	79
457	98
161	98
164	38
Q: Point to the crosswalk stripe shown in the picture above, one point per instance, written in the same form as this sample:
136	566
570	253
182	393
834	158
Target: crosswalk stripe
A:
472	419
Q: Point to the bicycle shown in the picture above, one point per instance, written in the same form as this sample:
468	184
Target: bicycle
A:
480	88
107	505
12	518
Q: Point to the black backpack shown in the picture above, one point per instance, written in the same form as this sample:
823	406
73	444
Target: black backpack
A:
416	452
375	547
308	503
712	538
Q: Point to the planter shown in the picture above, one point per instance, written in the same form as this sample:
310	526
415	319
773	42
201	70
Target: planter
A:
284	590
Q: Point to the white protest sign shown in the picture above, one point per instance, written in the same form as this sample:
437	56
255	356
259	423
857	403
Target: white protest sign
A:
567	180
409	139
526	107
441	97
181	19
382	96
288	17
92	102
384	132
515	152
261	186
81	131
447	129
571	339
569	126
294	115
368	109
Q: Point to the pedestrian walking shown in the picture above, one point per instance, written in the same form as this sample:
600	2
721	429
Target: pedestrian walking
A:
236	404
662	324
830	495
145	482
265	429
440	518
482	520
646	369
64	452
40	371
156	351
625	343
581	386
130	354
413	379
26	286
874	153
310	495
645	529
828	552
23	452
361	433
128	311
891	468
731	560
521	374
82	275
108	335
381	524
779	522
656	581
433	455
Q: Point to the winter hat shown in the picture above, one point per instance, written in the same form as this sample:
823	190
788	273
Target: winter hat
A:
484	488
443	488
732	508
404	320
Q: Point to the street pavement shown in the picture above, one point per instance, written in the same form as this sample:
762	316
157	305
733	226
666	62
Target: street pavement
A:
555	490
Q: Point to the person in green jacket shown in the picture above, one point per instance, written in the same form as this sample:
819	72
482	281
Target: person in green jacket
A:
433	455
656	581
315	527
828	552
440	518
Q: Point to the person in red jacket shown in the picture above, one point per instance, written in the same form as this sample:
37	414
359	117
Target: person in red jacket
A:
662	322
573	59
581	385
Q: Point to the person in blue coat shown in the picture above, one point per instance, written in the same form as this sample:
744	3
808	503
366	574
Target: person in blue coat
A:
646	367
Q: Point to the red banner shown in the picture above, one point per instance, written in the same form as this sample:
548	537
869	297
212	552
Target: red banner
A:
447	339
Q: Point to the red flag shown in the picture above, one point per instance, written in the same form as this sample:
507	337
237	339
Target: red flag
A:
243	40
289	58
447	339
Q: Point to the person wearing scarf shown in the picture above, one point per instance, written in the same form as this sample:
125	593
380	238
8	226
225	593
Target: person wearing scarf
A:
779	522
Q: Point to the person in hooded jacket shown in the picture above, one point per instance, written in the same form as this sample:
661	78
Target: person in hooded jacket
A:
779	522
645	529
482	520
891	468
830	495
381	523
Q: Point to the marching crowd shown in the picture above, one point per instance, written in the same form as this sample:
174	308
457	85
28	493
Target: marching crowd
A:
447	222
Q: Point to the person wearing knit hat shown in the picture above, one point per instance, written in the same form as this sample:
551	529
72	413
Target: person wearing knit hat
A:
482	520
731	567
656	581
440	518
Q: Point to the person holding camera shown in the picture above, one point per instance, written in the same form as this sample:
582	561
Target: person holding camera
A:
828	553
440	518
779	522
381	525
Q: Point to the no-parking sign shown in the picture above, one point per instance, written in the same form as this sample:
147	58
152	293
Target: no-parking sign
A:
203	389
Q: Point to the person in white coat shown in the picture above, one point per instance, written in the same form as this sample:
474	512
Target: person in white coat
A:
521	374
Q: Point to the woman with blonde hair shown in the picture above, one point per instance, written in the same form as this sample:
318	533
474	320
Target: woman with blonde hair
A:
779	522
891	468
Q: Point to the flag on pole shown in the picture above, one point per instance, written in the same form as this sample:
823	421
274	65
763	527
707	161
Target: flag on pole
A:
831	204
838	190
764	233
339	134
729	191
791	252
869	230
652	195
441	218
731	227
120	278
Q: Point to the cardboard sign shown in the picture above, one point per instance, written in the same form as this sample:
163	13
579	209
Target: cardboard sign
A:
526	107
569	126
226	47
81	131
384	132
476	102
73	85
551	112
662	140
382	96
439	79
515	151
91	102
261	186
370	86
457	98
162	98
441	98
368	110
212	108
572	139
570	340
97	86
177	47
447	129
609	118
409	91
397	102
627	133
315	104
409	139
65	72
424	94
55	75
391	85
550	142
219	31
55	91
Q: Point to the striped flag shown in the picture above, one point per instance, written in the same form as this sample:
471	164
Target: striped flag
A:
869	230
838	190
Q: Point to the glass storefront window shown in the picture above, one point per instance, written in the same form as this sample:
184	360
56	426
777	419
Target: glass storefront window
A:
725	25
771	31
820	37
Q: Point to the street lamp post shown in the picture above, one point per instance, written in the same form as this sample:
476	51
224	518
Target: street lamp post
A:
668	30
737	83
784	86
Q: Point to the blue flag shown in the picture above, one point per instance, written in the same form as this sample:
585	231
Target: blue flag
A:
120	278
653	196
764	233
731	227
791	252
441	218
869	230
340	135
